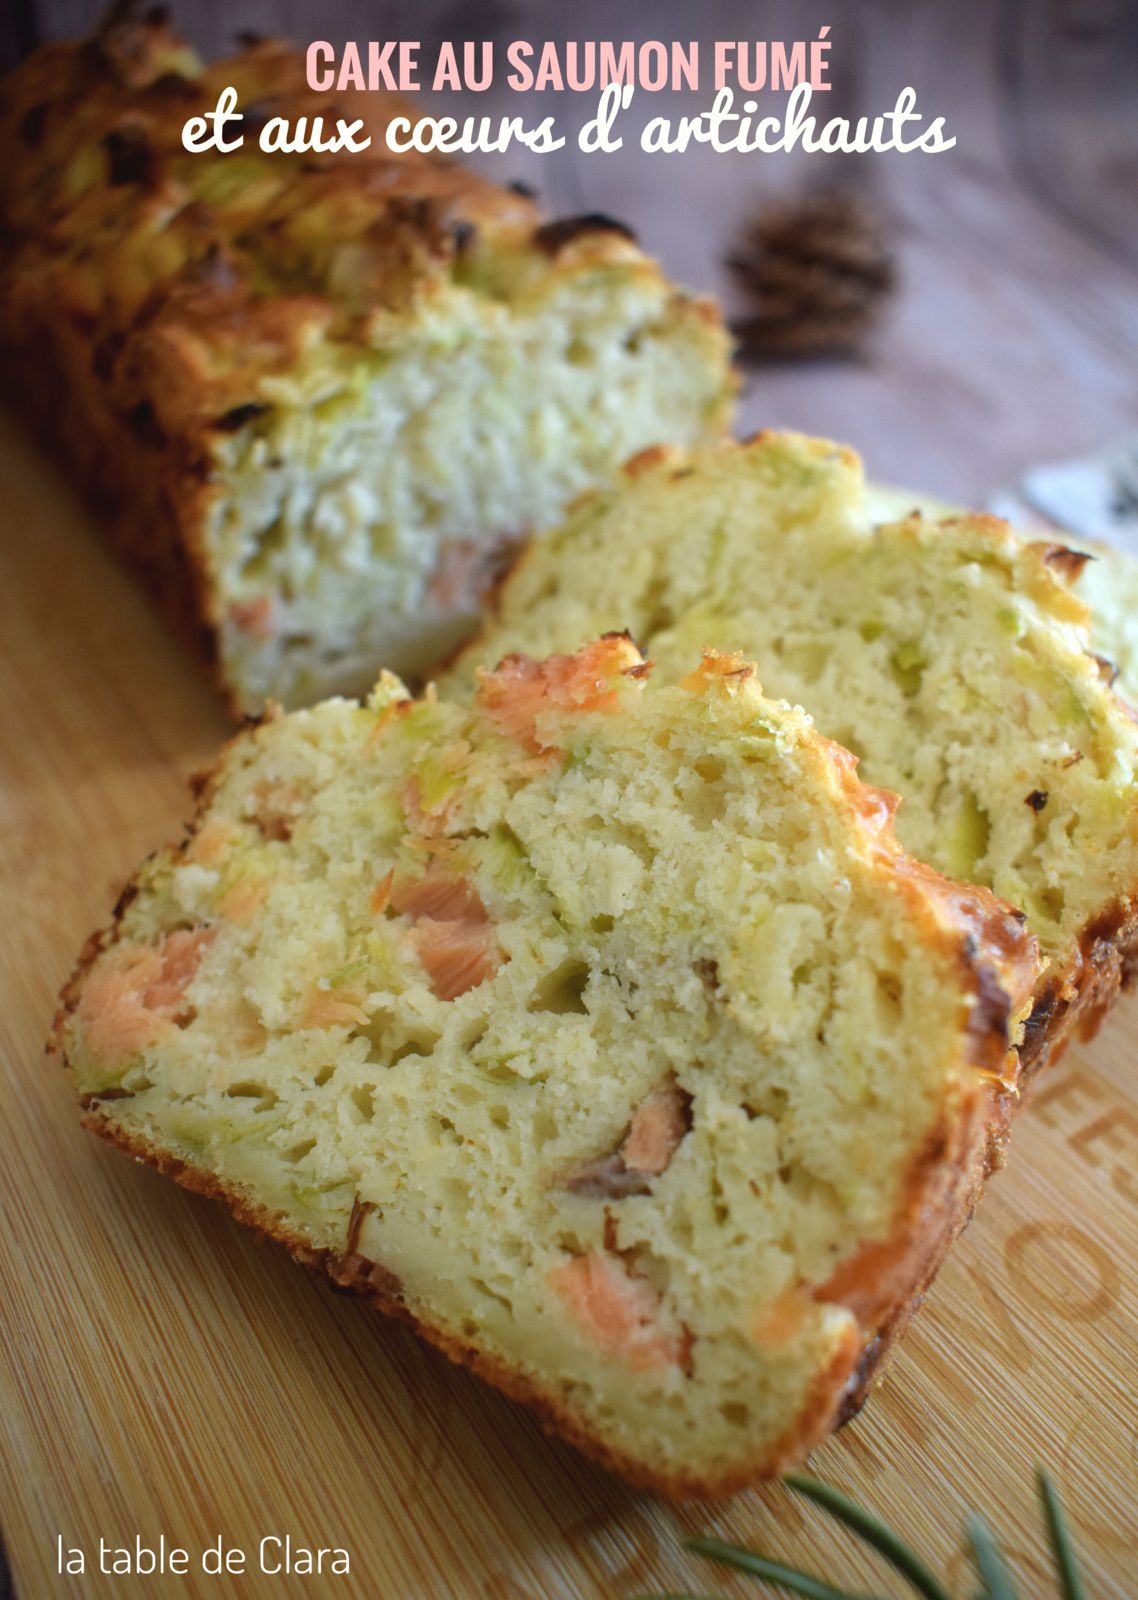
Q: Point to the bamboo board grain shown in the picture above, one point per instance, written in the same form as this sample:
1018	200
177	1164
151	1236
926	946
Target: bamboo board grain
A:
164	1375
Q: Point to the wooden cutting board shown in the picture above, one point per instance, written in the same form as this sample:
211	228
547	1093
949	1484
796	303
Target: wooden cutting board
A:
166	1376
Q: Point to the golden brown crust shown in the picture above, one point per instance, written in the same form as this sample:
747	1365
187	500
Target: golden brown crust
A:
1062	559
131	366
979	1157
979	1150
885	1283
145	303
1073	1003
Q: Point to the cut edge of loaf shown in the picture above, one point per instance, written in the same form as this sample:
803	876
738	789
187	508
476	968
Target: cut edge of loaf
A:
1107	963
1070	1002
189	404
943	1182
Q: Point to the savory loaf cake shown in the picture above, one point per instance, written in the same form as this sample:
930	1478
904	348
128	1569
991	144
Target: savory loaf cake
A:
315	397
951	656
601	1030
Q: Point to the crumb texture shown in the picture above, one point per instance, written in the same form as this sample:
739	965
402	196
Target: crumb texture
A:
951	656
1108	583
605	1015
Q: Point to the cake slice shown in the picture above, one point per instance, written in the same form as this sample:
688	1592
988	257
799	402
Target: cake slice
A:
598	1028
951	656
316	398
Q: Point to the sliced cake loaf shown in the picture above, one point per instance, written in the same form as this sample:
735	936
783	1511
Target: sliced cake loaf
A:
601	1030
952	657
317	396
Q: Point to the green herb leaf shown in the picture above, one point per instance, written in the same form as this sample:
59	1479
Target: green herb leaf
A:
798	1582
872	1530
345	974
991	1564
1060	1538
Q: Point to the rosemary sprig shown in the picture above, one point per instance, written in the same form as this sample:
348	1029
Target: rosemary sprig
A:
798	1582
990	1562
872	1530
1060	1538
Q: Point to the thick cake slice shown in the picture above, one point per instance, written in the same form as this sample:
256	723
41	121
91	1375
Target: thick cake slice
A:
602	1030
318	397
951	656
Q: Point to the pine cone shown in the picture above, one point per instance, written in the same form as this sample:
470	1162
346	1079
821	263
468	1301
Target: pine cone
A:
818	273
